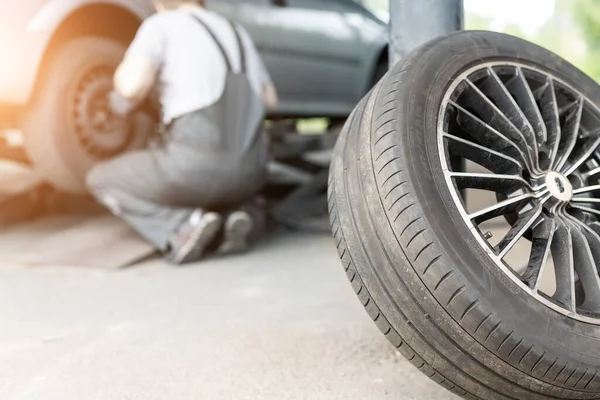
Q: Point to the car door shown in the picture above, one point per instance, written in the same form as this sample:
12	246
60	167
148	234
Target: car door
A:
372	47
315	53
309	47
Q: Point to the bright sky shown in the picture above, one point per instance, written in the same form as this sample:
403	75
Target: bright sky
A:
530	15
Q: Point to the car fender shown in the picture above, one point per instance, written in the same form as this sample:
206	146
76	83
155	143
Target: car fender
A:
371	61
48	19
53	13
374	34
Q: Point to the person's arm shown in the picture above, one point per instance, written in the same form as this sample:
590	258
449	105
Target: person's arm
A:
269	91
134	79
269	96
137	73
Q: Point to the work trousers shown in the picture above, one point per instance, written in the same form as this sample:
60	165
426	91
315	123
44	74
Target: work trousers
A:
157	189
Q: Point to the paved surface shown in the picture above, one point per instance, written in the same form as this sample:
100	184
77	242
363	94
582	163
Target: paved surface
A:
15	178
281	323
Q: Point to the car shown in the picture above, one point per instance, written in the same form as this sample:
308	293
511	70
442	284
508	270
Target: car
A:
59	56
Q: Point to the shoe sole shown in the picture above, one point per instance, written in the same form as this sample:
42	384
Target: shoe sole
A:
200	238
238	228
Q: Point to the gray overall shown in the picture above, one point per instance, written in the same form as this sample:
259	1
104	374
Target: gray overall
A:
214	158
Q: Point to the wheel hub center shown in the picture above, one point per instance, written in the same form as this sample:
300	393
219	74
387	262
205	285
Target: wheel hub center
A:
99	132
559	186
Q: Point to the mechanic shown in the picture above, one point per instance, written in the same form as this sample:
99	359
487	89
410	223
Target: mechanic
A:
214	92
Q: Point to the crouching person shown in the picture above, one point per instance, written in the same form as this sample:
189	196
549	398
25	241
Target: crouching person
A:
214	93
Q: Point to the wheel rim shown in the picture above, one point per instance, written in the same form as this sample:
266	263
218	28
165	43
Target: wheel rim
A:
532	141
99	132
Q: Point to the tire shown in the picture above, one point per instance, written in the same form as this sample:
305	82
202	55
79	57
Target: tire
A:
60	138
422	275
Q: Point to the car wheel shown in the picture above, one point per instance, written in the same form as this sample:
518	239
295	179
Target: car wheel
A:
487	306
68	126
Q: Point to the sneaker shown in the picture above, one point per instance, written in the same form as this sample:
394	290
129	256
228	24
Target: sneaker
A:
192	239
236	234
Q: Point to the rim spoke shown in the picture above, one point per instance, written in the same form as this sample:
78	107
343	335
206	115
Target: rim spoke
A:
540	250
488	158
586	189
486	134
498	93
591	200
570	133
510	205
593	172
516	232
549	111
582	155
519	87
486	109
494	182
564	270
585	255
586	209
595	226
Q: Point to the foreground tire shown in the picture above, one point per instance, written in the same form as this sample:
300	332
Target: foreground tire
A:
68	127
467	307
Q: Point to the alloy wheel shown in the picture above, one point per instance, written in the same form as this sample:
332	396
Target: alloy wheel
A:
533	141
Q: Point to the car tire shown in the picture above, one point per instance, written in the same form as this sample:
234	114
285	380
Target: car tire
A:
420	270
68	126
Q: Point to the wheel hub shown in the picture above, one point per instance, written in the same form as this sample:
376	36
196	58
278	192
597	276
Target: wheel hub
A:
100	133
559	186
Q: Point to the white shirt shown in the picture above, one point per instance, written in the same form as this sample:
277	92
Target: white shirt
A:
191	69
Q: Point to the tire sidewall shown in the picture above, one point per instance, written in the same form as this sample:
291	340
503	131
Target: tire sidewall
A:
427	82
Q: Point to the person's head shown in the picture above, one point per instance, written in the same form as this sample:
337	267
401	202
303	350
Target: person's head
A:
165	5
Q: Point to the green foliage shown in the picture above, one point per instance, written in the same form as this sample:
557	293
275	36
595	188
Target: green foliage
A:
587	15
573	32
383	5
562	33
477	22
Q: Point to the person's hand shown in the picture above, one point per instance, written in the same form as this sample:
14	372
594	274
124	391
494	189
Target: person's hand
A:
119	105
146	127
269	97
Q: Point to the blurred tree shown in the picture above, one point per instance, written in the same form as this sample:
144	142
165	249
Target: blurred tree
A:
587	16
383	5
477	22
561	33
515	30
573	31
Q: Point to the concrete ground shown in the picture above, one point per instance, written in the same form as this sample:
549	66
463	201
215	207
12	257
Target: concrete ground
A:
280	323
